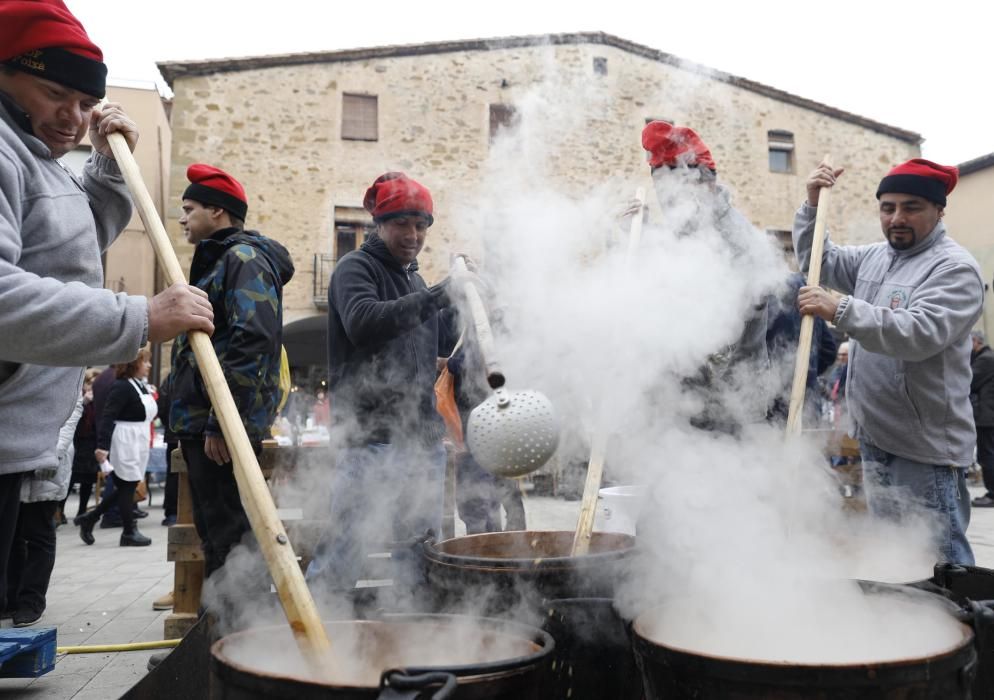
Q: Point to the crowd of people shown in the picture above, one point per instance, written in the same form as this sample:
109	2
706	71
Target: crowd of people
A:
902	382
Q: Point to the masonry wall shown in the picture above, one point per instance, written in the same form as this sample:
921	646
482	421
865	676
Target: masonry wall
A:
130	259
969	222
279	131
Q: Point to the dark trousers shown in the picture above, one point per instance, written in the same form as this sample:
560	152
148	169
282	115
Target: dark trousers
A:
985	456
85	490
172	483
10	505
476	496
217	508
509	493
32	557
109	494
124	502
480	494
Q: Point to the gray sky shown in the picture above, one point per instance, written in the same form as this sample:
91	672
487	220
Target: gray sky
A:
922	66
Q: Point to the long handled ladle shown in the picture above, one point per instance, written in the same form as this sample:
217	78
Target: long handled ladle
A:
598	446
801	363
297	602
512	433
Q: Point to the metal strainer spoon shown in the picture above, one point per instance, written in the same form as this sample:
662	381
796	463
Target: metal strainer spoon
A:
512	433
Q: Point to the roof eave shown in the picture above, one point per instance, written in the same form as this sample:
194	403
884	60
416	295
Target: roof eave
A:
174	70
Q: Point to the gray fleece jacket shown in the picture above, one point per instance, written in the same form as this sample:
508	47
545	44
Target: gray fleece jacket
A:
55	317
52	483
909	314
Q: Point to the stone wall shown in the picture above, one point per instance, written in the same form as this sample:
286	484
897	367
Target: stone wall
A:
278	130
968	221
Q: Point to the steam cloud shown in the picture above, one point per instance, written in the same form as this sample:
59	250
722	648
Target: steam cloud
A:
735	527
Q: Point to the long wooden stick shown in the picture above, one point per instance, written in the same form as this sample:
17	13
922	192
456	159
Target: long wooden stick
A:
801	363
297	602
598	445
484	333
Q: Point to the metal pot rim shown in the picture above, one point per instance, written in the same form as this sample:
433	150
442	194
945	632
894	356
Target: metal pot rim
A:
435	552
481	670
644	640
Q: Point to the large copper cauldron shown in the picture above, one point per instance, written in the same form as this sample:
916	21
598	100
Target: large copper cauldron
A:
443	657
514	572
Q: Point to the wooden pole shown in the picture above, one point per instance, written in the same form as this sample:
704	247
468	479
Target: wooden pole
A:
301	612
484	333
598	446
796	410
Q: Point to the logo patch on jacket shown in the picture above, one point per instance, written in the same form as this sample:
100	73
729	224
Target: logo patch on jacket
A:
898	298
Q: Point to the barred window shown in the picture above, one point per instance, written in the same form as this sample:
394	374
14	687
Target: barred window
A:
359	117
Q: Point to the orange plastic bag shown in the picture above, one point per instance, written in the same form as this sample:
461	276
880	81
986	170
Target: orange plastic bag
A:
445	404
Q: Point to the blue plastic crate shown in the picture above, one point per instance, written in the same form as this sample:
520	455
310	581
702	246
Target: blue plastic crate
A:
26	652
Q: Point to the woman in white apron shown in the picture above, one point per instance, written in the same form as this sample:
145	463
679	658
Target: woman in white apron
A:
123	443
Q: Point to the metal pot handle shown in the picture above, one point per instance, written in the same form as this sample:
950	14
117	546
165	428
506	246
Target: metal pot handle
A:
979	615
399	684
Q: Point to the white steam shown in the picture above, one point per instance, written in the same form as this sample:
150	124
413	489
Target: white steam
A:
747	523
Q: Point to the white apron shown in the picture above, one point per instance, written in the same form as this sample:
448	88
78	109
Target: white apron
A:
129	445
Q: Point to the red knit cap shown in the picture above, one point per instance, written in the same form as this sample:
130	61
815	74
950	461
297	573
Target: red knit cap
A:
42	37
675	145
395	194
210	185
922	178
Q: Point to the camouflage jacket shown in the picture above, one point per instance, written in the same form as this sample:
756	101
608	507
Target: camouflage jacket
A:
243	273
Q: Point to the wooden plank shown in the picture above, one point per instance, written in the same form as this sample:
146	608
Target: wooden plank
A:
184	552
188	582
177	465
183	534
178	624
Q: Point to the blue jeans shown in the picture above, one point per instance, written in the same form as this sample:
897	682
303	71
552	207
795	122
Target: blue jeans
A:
381	494
897	487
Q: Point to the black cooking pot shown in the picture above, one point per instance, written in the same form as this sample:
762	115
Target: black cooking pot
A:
594	658
964	584
502	573
484	659
670	672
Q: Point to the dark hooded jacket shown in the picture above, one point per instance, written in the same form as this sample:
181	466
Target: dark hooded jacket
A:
982	387
243	273
383	343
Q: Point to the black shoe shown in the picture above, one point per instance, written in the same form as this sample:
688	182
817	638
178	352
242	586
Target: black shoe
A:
139	513
134	539
110	523
85	522
169	521
6	614
156	659
23	618
984	501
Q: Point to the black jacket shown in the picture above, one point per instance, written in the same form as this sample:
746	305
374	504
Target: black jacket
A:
982	387
383	342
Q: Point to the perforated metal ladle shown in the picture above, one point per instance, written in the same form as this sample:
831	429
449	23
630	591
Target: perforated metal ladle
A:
512	433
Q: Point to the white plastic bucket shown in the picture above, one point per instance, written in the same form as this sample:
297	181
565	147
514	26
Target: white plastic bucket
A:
619	507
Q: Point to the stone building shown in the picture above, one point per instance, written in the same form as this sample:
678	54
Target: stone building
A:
969	222
129	264
307	134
